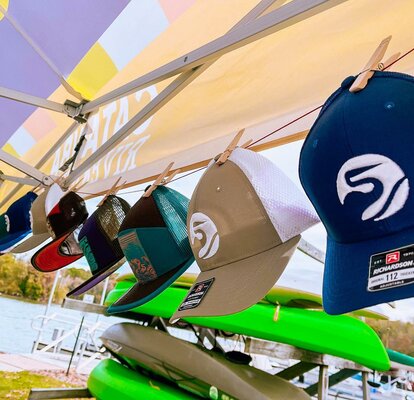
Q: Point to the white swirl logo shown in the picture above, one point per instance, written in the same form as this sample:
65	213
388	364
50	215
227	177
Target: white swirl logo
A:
395	184
202	226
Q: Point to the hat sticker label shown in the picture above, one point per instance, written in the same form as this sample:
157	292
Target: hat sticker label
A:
196	294
136	256
391	269
395	185
201	226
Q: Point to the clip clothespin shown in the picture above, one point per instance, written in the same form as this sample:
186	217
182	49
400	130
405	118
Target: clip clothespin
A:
162	179
233	144
112	190
374	64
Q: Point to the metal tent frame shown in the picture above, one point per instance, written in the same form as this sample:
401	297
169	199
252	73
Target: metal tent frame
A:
253	26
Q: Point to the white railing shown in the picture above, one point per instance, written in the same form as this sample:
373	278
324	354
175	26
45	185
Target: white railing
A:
65	327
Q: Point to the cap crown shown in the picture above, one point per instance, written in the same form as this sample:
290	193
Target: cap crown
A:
356	165
18	214
98	236
153	236
242	208
69	213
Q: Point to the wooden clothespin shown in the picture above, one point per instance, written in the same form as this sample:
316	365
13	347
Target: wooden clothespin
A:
112	190
59	179
374	64
233	144
162	179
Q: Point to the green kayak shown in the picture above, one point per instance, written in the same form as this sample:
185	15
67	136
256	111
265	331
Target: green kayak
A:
110	380
341	336
277	295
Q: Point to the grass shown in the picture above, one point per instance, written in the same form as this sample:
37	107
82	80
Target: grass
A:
17	385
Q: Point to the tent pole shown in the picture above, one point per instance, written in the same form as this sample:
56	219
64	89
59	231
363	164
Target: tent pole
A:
284	16
18	179
310	250
26	168
32	100
289	14
43	160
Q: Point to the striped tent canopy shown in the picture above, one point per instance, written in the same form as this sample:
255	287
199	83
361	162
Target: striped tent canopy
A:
82	50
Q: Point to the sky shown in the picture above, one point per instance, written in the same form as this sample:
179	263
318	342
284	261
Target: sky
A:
302	271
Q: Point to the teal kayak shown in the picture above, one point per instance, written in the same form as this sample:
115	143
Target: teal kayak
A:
110	380
341	335
400	358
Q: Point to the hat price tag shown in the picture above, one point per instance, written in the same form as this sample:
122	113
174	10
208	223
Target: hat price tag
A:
196	295
391	269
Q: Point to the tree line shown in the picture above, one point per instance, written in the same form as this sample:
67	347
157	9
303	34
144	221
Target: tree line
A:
18	278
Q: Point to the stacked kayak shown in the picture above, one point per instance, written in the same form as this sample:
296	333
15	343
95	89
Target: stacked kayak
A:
341	336
400	360
284	296
110	380
205	373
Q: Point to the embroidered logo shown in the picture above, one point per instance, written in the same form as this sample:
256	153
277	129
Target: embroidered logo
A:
392	257
201	226
395	185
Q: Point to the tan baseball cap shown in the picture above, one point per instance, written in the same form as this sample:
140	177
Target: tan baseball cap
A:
39	227
244	223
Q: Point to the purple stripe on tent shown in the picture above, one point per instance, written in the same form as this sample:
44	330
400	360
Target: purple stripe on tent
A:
20	69
65	30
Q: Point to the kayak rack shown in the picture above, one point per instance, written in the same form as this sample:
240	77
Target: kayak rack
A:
308	360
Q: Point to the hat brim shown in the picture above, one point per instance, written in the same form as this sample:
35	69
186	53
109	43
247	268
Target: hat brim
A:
345	279
12	239
141	293
241	284
30	243
95	279
49	258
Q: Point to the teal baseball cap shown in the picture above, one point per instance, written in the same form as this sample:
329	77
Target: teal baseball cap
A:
154	240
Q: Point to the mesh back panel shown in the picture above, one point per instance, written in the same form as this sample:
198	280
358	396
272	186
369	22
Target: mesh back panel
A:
110	216
288	208
173	207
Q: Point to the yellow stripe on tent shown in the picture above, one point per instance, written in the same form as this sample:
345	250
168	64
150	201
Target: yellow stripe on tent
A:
8	148
5	5
94	70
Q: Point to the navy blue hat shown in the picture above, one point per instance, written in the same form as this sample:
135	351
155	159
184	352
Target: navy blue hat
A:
99	243
357	168
15	223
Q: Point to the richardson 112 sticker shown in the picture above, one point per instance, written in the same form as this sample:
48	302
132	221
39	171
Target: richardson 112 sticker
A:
391	269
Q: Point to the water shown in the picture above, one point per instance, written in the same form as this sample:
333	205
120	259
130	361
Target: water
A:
16	333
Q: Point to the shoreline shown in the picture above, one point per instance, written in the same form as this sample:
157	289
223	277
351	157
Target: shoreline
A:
23	299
